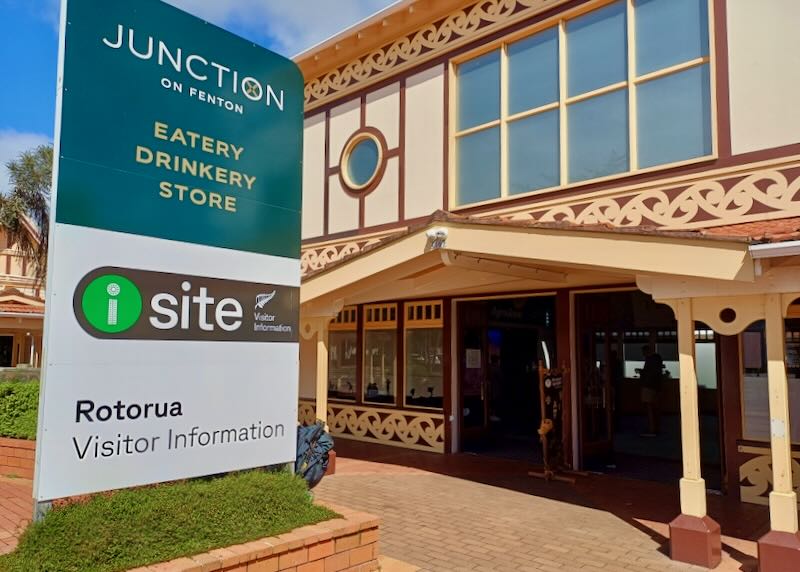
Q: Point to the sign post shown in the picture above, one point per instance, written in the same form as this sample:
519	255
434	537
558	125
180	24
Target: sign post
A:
173	274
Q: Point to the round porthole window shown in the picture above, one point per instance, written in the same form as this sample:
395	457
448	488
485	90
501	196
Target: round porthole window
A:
362	162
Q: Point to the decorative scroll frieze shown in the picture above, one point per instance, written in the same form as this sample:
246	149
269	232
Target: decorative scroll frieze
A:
317	257
458	27
306	413
719	201
408	429
755	475
746	193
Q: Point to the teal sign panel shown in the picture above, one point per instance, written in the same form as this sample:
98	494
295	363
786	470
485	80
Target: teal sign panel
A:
176	129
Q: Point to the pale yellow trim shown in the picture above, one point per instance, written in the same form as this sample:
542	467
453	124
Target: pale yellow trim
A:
504	96
390	442
693	490
531	30
530	294
399	428
630	84
597	92
712	178
380	324
532	112
626	254
563	127
754	450
477	128
712	70
452	117
345	163
677	68
782	499
633	113
346	321
583	198
379	235
414	323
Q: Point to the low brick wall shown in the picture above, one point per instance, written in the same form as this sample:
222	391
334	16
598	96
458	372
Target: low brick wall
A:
346	544
17	457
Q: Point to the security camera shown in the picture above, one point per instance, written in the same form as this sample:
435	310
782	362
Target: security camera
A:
437	233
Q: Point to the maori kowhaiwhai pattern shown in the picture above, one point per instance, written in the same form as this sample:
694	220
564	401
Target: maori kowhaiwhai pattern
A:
755	478
433	38
702	204
316	258
410	429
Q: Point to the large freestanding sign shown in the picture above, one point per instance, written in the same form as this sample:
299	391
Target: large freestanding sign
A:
174	273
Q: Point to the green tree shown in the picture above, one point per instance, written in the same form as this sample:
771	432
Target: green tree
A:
25	210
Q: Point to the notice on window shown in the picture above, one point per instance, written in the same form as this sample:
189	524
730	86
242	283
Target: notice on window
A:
473	359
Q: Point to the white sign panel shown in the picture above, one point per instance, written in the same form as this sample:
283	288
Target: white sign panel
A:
171	334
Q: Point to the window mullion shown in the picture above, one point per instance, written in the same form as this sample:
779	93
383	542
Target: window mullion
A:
633	129
504	97
562	100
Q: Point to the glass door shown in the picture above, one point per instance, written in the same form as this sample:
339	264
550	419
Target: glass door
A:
474	387
599	365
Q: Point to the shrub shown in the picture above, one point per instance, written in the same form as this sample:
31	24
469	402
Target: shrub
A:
19	408
136	527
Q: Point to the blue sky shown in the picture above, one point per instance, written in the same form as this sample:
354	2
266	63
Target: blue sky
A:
29	50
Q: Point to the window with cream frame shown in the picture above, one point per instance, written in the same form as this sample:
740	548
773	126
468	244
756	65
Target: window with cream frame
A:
622	88
755	379
380	354
424	354
342	355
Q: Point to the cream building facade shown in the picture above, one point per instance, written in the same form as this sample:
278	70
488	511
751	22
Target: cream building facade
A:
21	313
502	192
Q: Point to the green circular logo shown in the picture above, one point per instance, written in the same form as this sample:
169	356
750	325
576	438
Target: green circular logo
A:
112	304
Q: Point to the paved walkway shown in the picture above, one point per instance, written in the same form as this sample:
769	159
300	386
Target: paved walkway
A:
16	509
469	513
464	513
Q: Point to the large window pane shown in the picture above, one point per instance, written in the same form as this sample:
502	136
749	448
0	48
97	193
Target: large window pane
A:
479	91
596	49
674	117
670	32
533	72
598	136
380	351
424	352
478	166
342	353
533	147
755	389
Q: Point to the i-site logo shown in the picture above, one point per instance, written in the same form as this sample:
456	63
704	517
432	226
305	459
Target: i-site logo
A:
129	304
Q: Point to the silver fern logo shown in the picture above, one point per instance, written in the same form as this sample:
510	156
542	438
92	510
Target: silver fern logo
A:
263	299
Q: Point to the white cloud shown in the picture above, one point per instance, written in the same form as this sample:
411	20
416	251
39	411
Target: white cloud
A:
293	25
51	11
12	143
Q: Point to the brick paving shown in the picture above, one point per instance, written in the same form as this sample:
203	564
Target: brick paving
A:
16	509
460	512
463	513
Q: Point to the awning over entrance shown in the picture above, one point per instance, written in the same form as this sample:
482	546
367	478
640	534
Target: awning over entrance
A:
454	255
726	278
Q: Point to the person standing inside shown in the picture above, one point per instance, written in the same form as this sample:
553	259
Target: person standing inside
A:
651	375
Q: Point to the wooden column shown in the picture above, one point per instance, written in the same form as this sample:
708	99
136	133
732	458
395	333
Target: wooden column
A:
693	486
694	537
779	549
322	330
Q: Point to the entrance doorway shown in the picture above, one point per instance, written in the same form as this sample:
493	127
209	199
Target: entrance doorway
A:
6	351
501	344
628	388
